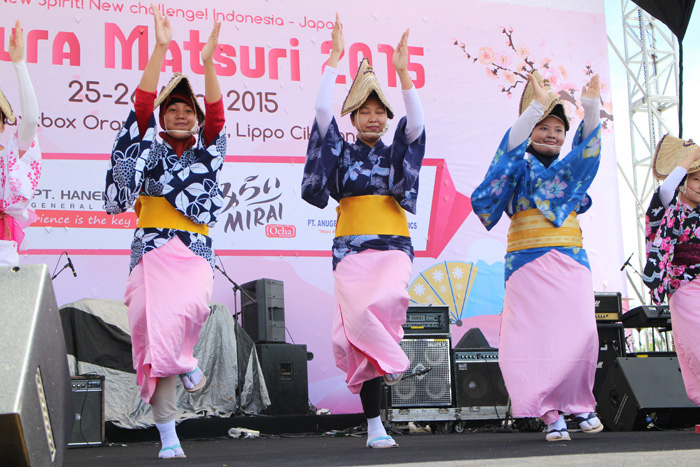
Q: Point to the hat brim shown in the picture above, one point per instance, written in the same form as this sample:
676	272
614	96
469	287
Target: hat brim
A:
669	154
363	86
552	101
6	109
180	83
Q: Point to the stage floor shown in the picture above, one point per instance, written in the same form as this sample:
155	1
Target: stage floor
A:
648	448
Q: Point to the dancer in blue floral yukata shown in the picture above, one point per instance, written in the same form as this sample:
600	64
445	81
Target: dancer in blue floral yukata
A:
549	345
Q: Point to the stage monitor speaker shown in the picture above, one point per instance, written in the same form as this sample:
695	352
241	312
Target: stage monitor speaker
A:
36	404
262	302
473	339
611	340
89	401
286	376
478	379
428	381
638	391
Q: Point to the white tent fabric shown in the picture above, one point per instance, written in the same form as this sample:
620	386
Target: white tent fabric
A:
226	354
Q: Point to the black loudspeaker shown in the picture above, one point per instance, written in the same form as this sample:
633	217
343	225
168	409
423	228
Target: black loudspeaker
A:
262	302
473	339
286	376
89	401
36	404
478	379
611	340
428	381
638	391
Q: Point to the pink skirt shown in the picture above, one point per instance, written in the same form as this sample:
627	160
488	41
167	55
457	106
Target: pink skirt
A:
370	303
168	296
549	340
685	319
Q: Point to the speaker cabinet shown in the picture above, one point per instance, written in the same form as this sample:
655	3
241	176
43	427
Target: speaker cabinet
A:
611	340
262	303
478	379
639	390
286	376
89	401
428	381
36	404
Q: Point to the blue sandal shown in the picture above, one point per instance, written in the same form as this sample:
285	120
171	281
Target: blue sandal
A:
177	451
370	443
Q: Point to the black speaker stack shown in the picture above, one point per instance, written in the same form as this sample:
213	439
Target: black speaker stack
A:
441	377
89	402
643	390
284	365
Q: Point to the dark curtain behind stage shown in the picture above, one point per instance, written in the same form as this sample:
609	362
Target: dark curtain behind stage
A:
676	15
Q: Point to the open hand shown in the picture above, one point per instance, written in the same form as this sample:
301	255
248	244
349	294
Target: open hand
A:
541	93
400	58
213	41
164	31
338	37
16	48
592	89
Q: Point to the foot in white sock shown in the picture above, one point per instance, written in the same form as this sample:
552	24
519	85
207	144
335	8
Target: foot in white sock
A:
376	435
588	422
194	380
392	378
170	443
557	431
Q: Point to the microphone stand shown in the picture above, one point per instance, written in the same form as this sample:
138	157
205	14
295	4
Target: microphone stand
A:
235	287
59	272
629	278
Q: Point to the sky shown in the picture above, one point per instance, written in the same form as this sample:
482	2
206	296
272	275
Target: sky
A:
691	120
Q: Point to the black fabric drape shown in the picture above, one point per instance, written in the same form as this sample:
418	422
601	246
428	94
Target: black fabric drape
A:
676	15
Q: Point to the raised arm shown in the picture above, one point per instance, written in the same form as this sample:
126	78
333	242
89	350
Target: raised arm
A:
212	90
414	111
523	126
667	191
324	99
27	99
164	34
590	99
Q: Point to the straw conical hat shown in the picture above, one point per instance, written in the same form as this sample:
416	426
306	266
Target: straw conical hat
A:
670	152
179	83
365	83
552	101
6	108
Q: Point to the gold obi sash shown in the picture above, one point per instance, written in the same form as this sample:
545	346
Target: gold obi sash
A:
530	229
157	212
371	215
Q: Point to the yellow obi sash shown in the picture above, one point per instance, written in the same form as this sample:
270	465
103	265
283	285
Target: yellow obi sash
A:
530	229
157	212
371	215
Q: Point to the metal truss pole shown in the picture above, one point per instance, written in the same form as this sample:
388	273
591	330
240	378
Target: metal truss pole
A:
650	59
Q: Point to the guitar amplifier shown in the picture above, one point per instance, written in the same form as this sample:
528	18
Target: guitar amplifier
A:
608	306
478	379
427	319
89	401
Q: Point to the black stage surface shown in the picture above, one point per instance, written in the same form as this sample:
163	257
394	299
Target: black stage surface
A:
641	448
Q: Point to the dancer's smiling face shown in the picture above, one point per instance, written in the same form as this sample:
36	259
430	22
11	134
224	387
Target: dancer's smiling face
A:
369	119
179	116
549	136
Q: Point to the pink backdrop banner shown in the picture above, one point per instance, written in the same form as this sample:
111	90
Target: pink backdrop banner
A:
466	59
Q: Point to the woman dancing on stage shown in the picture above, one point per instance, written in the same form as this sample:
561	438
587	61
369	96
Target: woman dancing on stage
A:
549	345
20	159
372	250
673	250
174	185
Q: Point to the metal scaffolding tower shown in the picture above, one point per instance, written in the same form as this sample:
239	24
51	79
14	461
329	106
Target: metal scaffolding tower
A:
650	58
